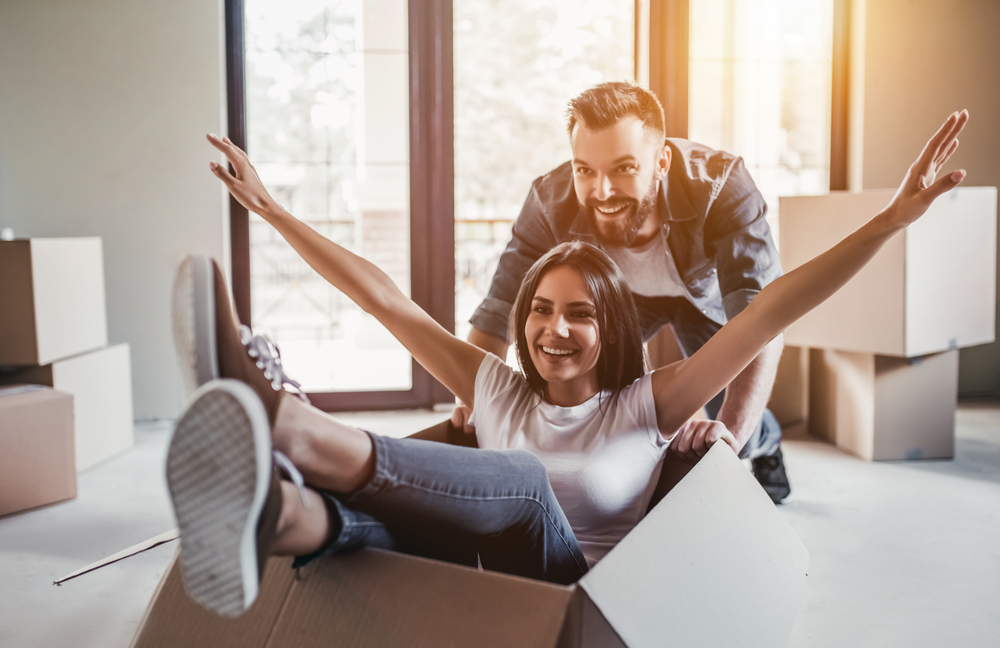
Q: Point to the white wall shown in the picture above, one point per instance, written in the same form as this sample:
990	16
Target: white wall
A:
922	60
103	109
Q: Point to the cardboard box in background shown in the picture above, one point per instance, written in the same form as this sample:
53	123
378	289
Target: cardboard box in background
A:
714	564
52	303
37	464
101	384
931	288
883	408
789	400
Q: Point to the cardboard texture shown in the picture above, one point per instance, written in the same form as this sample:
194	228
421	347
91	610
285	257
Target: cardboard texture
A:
715	540
52	305
931	288
36	448
101	383
790	395
882	407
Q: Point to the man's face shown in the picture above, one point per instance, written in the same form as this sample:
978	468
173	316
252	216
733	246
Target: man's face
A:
616	174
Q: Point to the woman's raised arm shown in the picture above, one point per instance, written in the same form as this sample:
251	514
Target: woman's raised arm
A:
682	388
450	360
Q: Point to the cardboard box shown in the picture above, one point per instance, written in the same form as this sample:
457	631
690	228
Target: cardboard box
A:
52	299
714	564
931	288
101	384
36	448
789	400
882	407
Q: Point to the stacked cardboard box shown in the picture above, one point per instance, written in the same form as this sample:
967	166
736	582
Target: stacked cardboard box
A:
37	465
53	332
883	364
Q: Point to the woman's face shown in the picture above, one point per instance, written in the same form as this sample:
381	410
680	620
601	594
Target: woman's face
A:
563	337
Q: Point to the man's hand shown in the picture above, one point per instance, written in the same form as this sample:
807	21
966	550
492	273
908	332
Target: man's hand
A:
460	418
696	437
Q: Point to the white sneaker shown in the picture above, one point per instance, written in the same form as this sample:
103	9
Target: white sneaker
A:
226	495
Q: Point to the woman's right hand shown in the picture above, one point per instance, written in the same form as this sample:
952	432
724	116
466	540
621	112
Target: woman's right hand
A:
243	183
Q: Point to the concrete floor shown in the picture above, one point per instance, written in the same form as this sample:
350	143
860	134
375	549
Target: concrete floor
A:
901	554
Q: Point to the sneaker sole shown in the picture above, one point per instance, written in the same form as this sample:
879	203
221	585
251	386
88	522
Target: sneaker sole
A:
193	319
218	472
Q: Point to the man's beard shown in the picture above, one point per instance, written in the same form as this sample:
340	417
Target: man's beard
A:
623	231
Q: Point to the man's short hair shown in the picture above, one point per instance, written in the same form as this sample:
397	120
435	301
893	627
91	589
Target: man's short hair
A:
607	104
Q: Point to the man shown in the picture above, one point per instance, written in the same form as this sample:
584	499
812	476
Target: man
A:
686	225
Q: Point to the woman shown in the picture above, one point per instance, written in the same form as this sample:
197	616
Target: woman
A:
585	409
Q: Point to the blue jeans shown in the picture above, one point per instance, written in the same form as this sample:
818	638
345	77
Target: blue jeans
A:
452	503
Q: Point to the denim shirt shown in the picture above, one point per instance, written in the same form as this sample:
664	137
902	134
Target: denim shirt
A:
711	213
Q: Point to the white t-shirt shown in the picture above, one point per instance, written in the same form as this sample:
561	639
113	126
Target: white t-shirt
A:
601	465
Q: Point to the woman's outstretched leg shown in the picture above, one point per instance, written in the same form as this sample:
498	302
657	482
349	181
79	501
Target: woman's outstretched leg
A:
419	497
330	455
318	524
435	499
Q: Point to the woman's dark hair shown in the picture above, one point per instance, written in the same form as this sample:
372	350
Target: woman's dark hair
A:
622	360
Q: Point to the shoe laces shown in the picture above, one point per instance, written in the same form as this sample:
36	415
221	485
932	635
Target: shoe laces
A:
268	357
285	464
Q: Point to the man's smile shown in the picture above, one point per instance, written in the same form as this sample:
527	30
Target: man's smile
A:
613	209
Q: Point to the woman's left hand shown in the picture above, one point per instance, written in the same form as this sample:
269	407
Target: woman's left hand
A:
243	183
919	188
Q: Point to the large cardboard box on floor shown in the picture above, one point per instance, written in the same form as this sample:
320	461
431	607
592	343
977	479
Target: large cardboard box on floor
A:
931	288
37	464
52	299
101	384
714	564
882	407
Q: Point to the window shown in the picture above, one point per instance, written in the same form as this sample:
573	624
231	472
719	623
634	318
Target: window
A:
329	104
760	87
517	64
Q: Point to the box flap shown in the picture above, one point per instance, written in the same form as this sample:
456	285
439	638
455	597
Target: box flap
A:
714	564
378	598
173	619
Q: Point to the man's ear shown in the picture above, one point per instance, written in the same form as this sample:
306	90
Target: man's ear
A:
662	162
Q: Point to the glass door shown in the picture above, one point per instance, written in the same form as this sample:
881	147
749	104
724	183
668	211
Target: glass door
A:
327	114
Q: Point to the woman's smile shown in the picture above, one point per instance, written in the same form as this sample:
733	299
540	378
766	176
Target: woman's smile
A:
556	352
